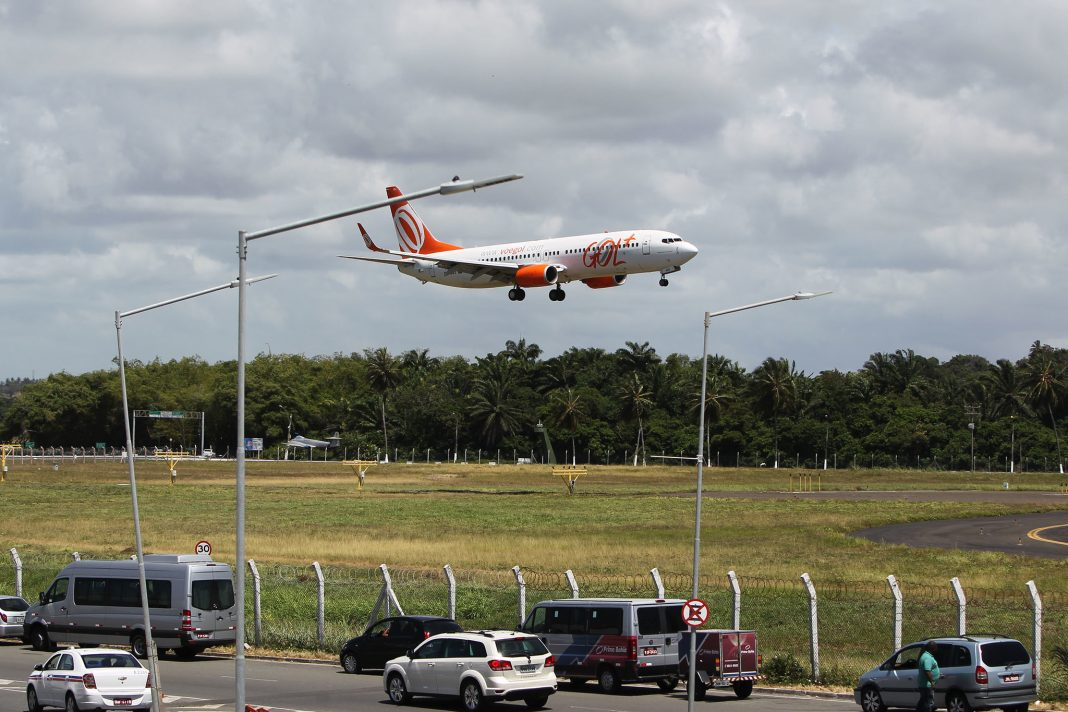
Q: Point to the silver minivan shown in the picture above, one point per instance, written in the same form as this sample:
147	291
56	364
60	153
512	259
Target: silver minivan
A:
190	597
612	640
978	672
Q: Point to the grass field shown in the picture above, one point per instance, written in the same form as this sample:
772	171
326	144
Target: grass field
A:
482	520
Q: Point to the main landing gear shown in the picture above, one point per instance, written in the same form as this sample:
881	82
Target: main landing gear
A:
516	294
557	294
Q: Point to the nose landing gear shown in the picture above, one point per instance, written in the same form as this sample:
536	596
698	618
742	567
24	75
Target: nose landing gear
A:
665	273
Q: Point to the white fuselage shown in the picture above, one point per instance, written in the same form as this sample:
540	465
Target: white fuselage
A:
578	257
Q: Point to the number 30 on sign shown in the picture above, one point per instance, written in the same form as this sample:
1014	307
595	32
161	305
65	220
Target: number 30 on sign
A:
204	547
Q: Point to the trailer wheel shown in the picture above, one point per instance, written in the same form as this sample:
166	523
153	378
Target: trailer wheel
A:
700	692
743	688
667	684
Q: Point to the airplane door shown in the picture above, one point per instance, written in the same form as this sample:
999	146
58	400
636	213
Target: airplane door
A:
645	246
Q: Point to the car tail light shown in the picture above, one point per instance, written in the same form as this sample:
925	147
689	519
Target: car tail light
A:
3	617
1034	672
148	681
89	681
550	661
500	665
187	621
980	675
760	660
632	647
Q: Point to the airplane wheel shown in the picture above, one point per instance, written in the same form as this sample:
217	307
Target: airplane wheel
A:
511	295
563	295
520	295
552	295
663	282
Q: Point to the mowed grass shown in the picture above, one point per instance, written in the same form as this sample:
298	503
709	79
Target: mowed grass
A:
622	520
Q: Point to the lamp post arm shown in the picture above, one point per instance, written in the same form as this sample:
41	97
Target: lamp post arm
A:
458	186
791	297
229	285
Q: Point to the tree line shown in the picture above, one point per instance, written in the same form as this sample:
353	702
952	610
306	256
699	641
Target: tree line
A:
628	405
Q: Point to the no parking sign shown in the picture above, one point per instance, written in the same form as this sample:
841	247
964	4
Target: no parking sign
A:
695	613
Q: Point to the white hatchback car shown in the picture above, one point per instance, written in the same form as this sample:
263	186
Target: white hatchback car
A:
89	678
478	667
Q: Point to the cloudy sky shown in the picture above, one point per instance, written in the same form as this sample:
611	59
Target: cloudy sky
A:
910	156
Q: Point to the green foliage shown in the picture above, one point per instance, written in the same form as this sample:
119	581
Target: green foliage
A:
784	668
899	409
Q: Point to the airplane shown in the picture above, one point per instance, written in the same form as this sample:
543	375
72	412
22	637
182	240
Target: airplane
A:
599	260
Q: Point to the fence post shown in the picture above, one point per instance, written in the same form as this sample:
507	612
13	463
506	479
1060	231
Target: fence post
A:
452	591
1036	600
76	556
570	576
257	618
18	571
733	577
522	594
962	606
320	609
896	590
813	627
657	582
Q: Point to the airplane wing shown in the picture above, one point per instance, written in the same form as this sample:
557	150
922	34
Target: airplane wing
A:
498	271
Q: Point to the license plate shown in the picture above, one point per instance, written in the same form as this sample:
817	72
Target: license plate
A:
122	701
203	635
526	668
18	619
1011	678
650	651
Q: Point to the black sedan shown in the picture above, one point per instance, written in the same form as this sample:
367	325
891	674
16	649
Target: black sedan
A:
390	638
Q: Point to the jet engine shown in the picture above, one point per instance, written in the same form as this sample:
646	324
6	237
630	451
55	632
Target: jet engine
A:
613	280
537	275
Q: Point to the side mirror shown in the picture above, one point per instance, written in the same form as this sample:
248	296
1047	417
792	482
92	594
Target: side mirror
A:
409	652
39	666
41	597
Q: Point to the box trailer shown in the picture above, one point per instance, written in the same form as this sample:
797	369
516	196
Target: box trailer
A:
724	658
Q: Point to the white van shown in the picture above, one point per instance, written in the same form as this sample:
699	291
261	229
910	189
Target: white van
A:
190	597
612	640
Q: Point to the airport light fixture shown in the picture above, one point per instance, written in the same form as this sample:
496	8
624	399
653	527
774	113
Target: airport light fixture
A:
243	238
700	467
150	645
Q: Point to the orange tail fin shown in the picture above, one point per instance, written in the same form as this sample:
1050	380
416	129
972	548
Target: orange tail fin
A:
412	233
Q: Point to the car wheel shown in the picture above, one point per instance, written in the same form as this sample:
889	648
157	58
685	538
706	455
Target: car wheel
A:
608	680
743	688
957	702
186	653
32	703
39	639
668	684
139	646
72	704
350	662
536	703
871	700
398	691
700	691
471	696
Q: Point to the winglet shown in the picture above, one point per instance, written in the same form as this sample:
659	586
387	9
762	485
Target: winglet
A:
368	241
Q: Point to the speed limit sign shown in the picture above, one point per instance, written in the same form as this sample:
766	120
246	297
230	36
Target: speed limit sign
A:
204	547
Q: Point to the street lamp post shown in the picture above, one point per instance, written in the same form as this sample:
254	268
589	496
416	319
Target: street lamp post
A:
243	238
700	468
150	644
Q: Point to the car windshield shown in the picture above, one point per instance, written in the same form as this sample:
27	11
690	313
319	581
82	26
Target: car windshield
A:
1005	652
521	647
13	604
110	660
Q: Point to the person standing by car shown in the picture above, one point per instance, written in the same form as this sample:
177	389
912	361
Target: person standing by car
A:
928	668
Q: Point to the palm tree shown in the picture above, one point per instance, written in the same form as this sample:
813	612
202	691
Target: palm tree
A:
569	412
1044	388
719	389
384	375
494	401
1006	390
637	358
775	390
636	401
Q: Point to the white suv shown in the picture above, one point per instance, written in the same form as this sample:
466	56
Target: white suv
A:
478	666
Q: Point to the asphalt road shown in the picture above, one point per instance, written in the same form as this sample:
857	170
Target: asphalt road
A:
207	685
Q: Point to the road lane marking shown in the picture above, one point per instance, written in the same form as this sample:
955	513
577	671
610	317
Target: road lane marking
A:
1035	534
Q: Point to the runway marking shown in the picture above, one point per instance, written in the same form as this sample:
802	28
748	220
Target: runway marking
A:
1034	534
